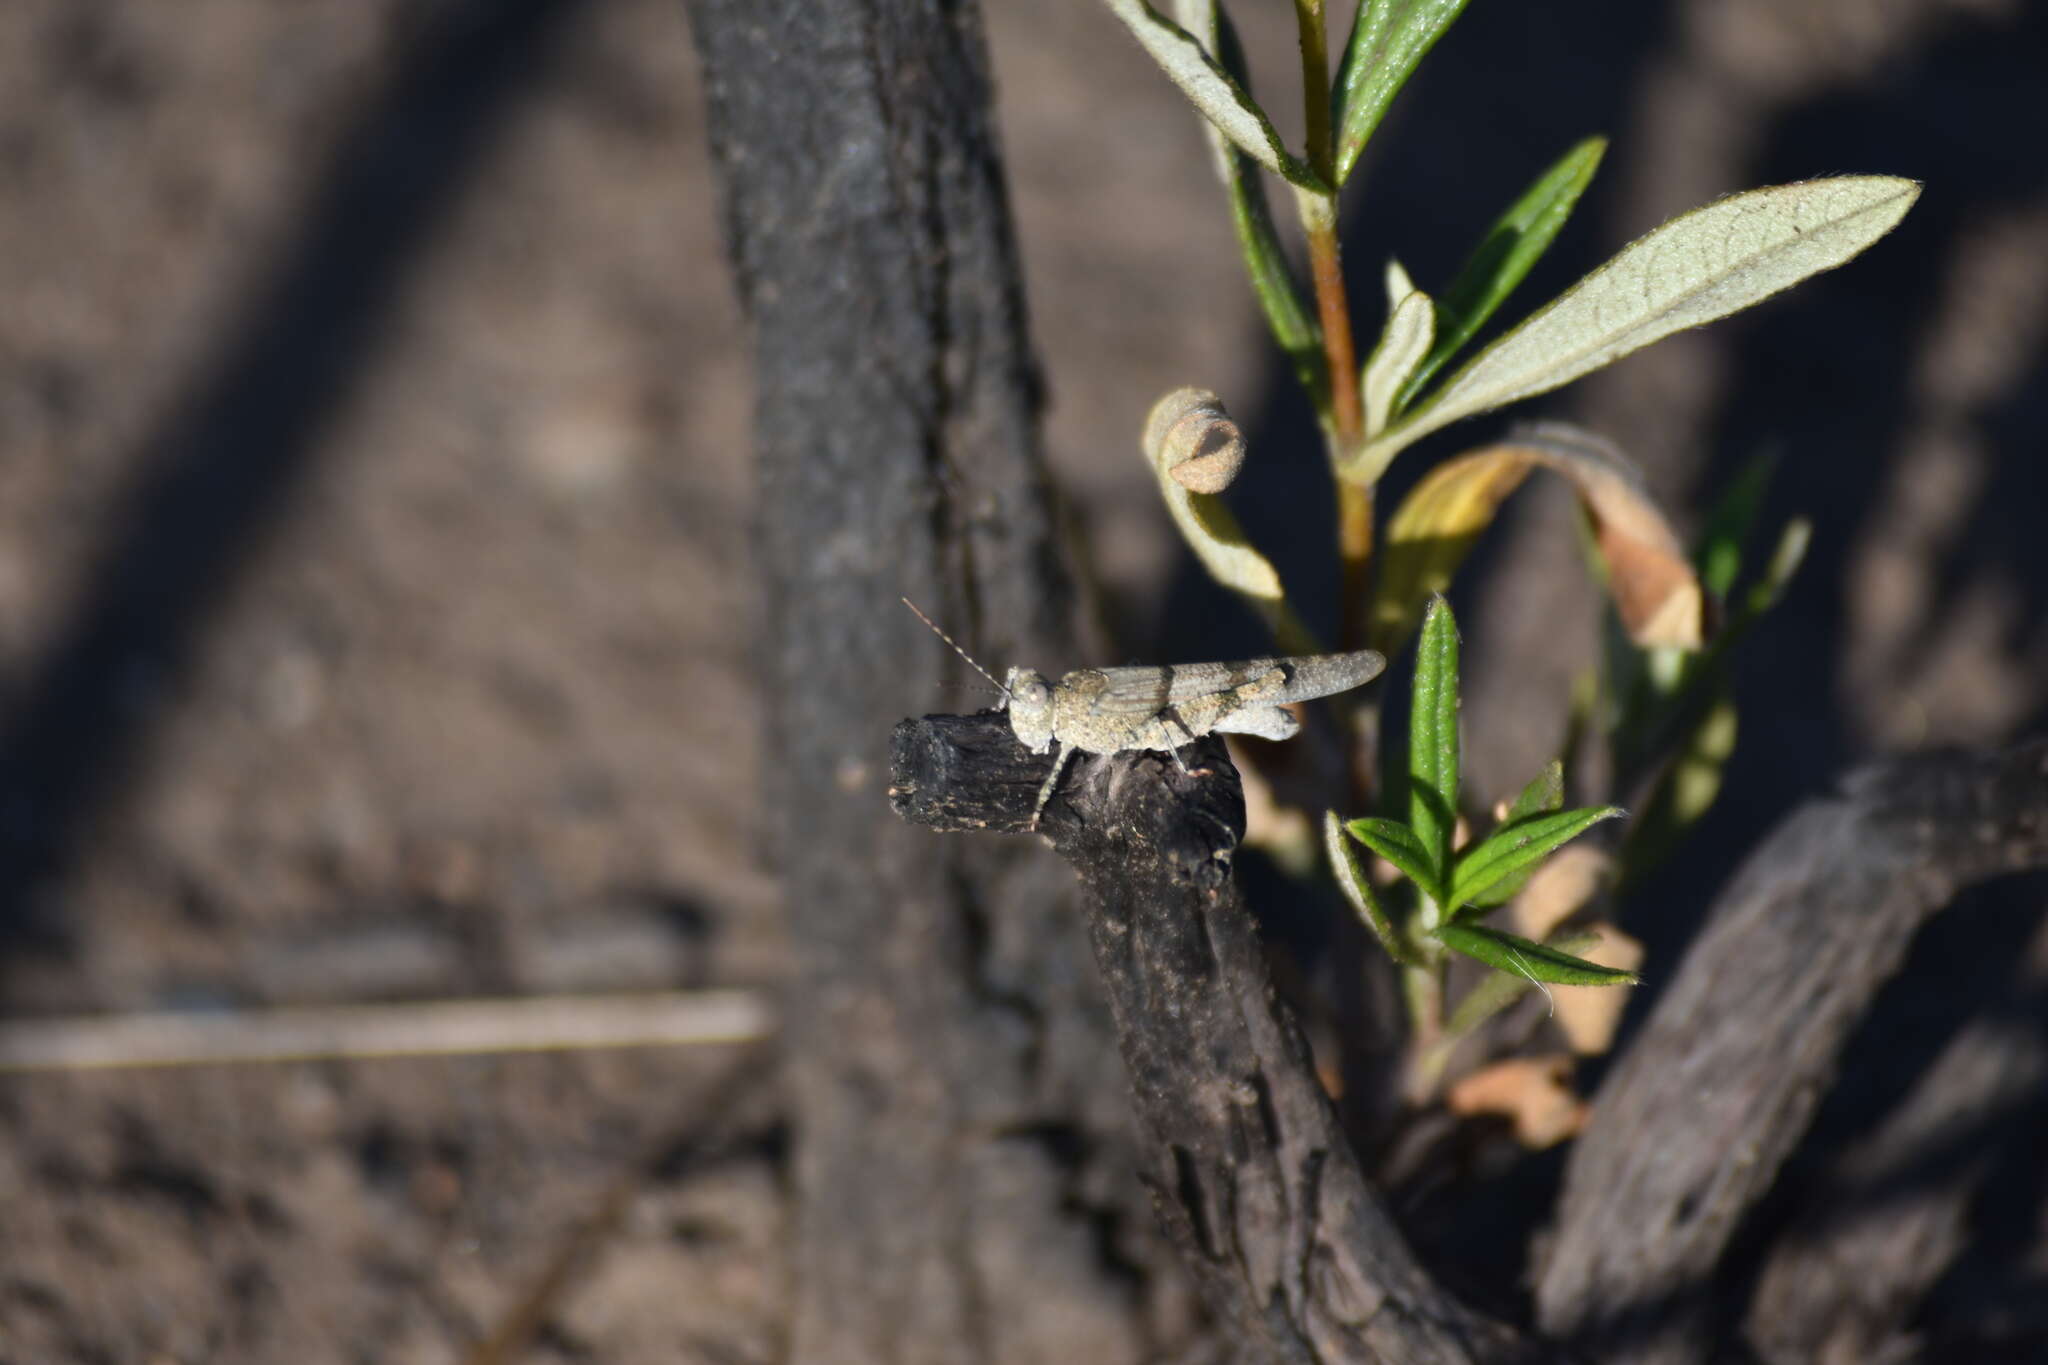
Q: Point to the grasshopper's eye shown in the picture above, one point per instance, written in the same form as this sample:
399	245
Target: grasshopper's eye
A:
1035	693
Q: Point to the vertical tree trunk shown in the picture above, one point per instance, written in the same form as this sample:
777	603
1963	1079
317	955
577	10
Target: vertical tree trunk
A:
954	1088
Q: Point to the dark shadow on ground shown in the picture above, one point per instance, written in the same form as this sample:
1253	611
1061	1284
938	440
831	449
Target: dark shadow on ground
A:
217	468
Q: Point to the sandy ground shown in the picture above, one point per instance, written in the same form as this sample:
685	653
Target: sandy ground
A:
375	604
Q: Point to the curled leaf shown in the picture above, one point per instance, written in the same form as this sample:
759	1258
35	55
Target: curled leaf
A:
1655	589
1411	323
1212	532
1698	267
1191	437
1219	98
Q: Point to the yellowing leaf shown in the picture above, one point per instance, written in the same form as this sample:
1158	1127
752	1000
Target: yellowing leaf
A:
1655	589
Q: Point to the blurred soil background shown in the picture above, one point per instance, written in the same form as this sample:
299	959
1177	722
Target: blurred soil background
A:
375	599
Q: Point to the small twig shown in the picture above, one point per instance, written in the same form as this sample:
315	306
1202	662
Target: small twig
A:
431	1028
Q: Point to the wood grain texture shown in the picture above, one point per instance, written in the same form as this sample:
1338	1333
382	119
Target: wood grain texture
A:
1691	1127
1243	1153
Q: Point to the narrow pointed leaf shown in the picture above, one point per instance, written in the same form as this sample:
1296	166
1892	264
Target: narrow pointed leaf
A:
1531	961
1358	889
1280	295
1436	525
1686	789
1511	247
1718	553
1785	560
1388	39
1545	792
1433	737
1411	322
1519	846
1219	98
1497	990
1698	267
1397	843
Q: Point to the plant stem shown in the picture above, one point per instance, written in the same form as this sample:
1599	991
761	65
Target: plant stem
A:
1347	414
1354	551
1315	88
1319	221
1423	988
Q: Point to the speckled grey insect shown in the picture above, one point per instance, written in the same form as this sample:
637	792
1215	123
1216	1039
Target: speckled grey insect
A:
1111	710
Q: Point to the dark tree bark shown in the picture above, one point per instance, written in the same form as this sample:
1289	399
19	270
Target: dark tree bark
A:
1691	1127
1244	1155
956	1103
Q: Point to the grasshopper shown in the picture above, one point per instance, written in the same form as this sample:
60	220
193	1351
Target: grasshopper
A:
1112	710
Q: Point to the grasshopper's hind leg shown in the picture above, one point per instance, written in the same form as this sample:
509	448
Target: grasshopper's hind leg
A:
1052	782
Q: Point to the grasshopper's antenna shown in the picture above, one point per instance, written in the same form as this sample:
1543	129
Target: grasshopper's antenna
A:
956	648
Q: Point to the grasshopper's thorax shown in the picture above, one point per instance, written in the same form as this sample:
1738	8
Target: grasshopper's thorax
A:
1031	709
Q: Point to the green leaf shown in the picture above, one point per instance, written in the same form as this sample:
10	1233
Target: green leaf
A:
1786	557
1219	98
1544	793
1398	844
1531	961
1388	38
1718	556
1698	267
1288	314
1497	990
1358	889
1411	321
1519	846
1685	790
1504	256
1433	737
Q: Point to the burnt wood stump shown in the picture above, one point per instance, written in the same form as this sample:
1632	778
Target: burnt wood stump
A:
1243	1153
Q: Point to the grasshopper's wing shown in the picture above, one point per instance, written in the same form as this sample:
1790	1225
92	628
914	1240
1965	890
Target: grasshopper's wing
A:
1147	691
1321	675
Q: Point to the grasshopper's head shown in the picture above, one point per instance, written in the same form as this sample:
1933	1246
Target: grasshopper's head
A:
1031	709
